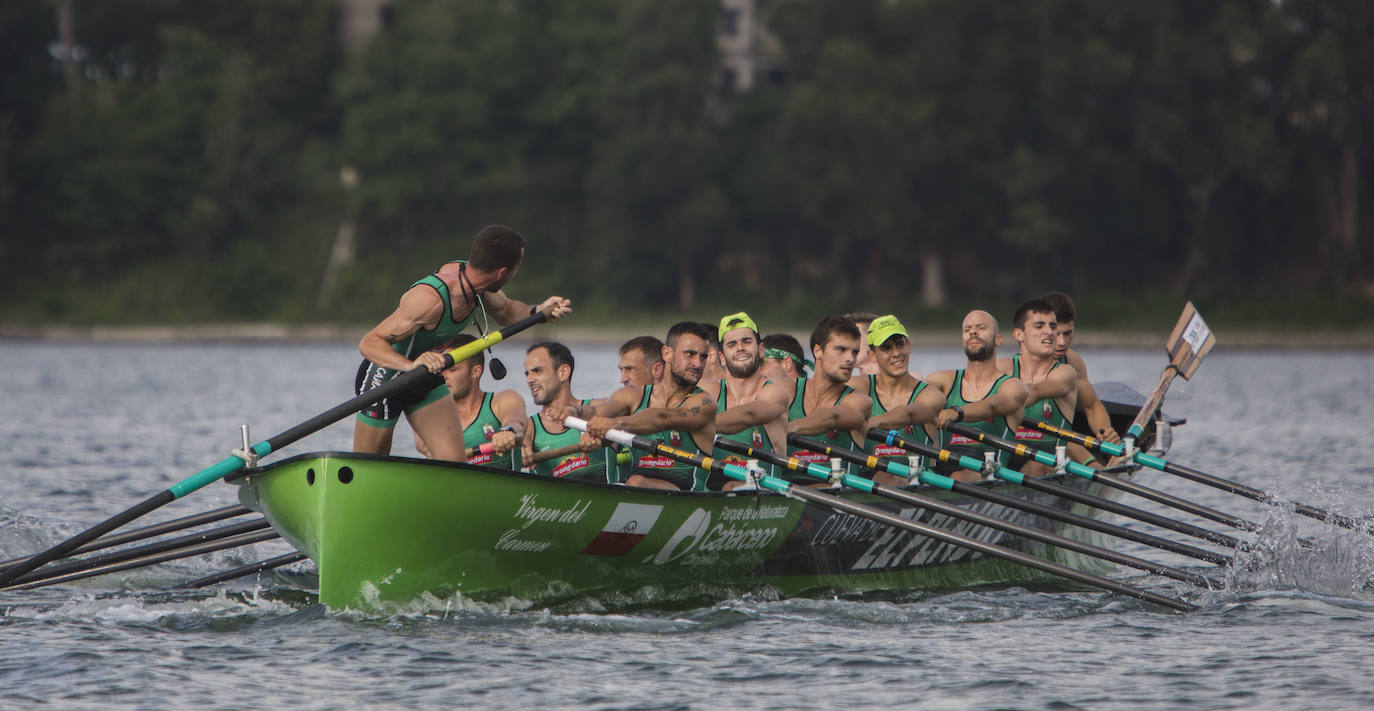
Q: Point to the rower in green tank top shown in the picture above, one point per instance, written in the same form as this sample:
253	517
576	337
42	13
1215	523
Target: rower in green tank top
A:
550	448
894	384
675	412
825	406
979	395
750	408
1051	384
494	418
430	312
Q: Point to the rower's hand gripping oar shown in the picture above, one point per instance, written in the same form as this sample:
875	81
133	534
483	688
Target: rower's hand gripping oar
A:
1190	341
801	493
947	509
243	459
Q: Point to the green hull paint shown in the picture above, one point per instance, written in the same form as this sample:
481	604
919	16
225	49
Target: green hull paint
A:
390	529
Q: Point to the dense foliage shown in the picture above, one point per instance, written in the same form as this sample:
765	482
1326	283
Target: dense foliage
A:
178	160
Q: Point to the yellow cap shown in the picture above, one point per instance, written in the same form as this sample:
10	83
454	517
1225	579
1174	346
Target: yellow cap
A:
734	321
883	328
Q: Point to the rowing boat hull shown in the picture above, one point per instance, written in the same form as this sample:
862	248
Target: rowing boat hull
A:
389	529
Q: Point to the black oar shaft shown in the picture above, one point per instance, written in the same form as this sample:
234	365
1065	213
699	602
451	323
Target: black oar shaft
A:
1057	514
145	561
239	572
846	506
233	464
985	520
158	529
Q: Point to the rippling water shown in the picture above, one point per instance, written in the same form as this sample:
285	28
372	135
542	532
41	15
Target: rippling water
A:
90	431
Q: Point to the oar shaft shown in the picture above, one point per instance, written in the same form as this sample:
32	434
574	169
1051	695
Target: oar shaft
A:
232	464
555	453
158	529
1065	492
958	512
207	547
239	572
781	486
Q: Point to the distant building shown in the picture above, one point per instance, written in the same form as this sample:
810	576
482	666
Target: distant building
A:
750	56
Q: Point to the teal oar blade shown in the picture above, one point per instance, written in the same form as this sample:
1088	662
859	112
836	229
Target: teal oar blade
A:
232	464
947	509
1091	474
944	455
802	493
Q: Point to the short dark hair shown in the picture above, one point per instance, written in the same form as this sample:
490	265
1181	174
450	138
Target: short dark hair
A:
832	325
784	342
1034	306
1063	306
651	347
859	317
681	328
558	353
496	246
712	335
463	339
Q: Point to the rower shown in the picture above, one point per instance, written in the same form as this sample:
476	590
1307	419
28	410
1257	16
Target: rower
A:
1051	385
433	310
750	408
548	373
783	358
497	418
1093	409
675	412
865	364
641	362
979	393
889	349
825	406
715	361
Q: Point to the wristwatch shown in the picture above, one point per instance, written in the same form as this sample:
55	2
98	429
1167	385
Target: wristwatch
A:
958	413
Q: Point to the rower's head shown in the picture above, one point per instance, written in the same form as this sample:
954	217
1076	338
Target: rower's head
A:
980	336
1066	316
548	371
1033	326
641	362
685	351
888	345
862	319
466	375
497	250
739	345
783	357
835	346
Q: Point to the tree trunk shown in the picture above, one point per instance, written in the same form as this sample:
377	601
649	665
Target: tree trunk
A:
1346	232
933	294
66	33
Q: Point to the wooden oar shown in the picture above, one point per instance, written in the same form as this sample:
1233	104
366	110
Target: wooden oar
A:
554	453
241	460
1088	522
239	572
857	482
159	529
944	455
1087	472
1163	465
171	544
1189	343
781	486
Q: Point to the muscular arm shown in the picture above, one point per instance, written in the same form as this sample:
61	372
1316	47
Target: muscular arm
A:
420	307
1088	402
850	413
1060	382
697	413
1008	401
924	409
770	405
510	410
505	310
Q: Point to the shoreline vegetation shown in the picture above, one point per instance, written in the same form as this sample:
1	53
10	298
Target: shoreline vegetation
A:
1281	338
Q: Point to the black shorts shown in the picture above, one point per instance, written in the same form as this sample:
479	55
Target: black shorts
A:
386	412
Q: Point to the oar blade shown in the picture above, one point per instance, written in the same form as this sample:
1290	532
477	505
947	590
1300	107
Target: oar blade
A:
1190	341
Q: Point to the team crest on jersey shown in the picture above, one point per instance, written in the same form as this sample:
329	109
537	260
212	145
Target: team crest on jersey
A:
908	430
488	431
1048	412
832	434
675	438
757	439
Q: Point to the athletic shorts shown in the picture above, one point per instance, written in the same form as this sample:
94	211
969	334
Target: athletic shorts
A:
685	480
386	413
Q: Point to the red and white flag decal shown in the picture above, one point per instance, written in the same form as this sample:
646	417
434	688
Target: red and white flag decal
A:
629	524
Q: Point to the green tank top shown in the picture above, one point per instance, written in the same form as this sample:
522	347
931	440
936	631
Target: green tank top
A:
654	465
994	426
1046	410
427	339
480	432
836	438
914	433
581	466
755	436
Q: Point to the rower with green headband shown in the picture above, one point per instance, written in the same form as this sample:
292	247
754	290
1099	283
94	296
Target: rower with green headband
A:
750	407
783	357
825	406
893	387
